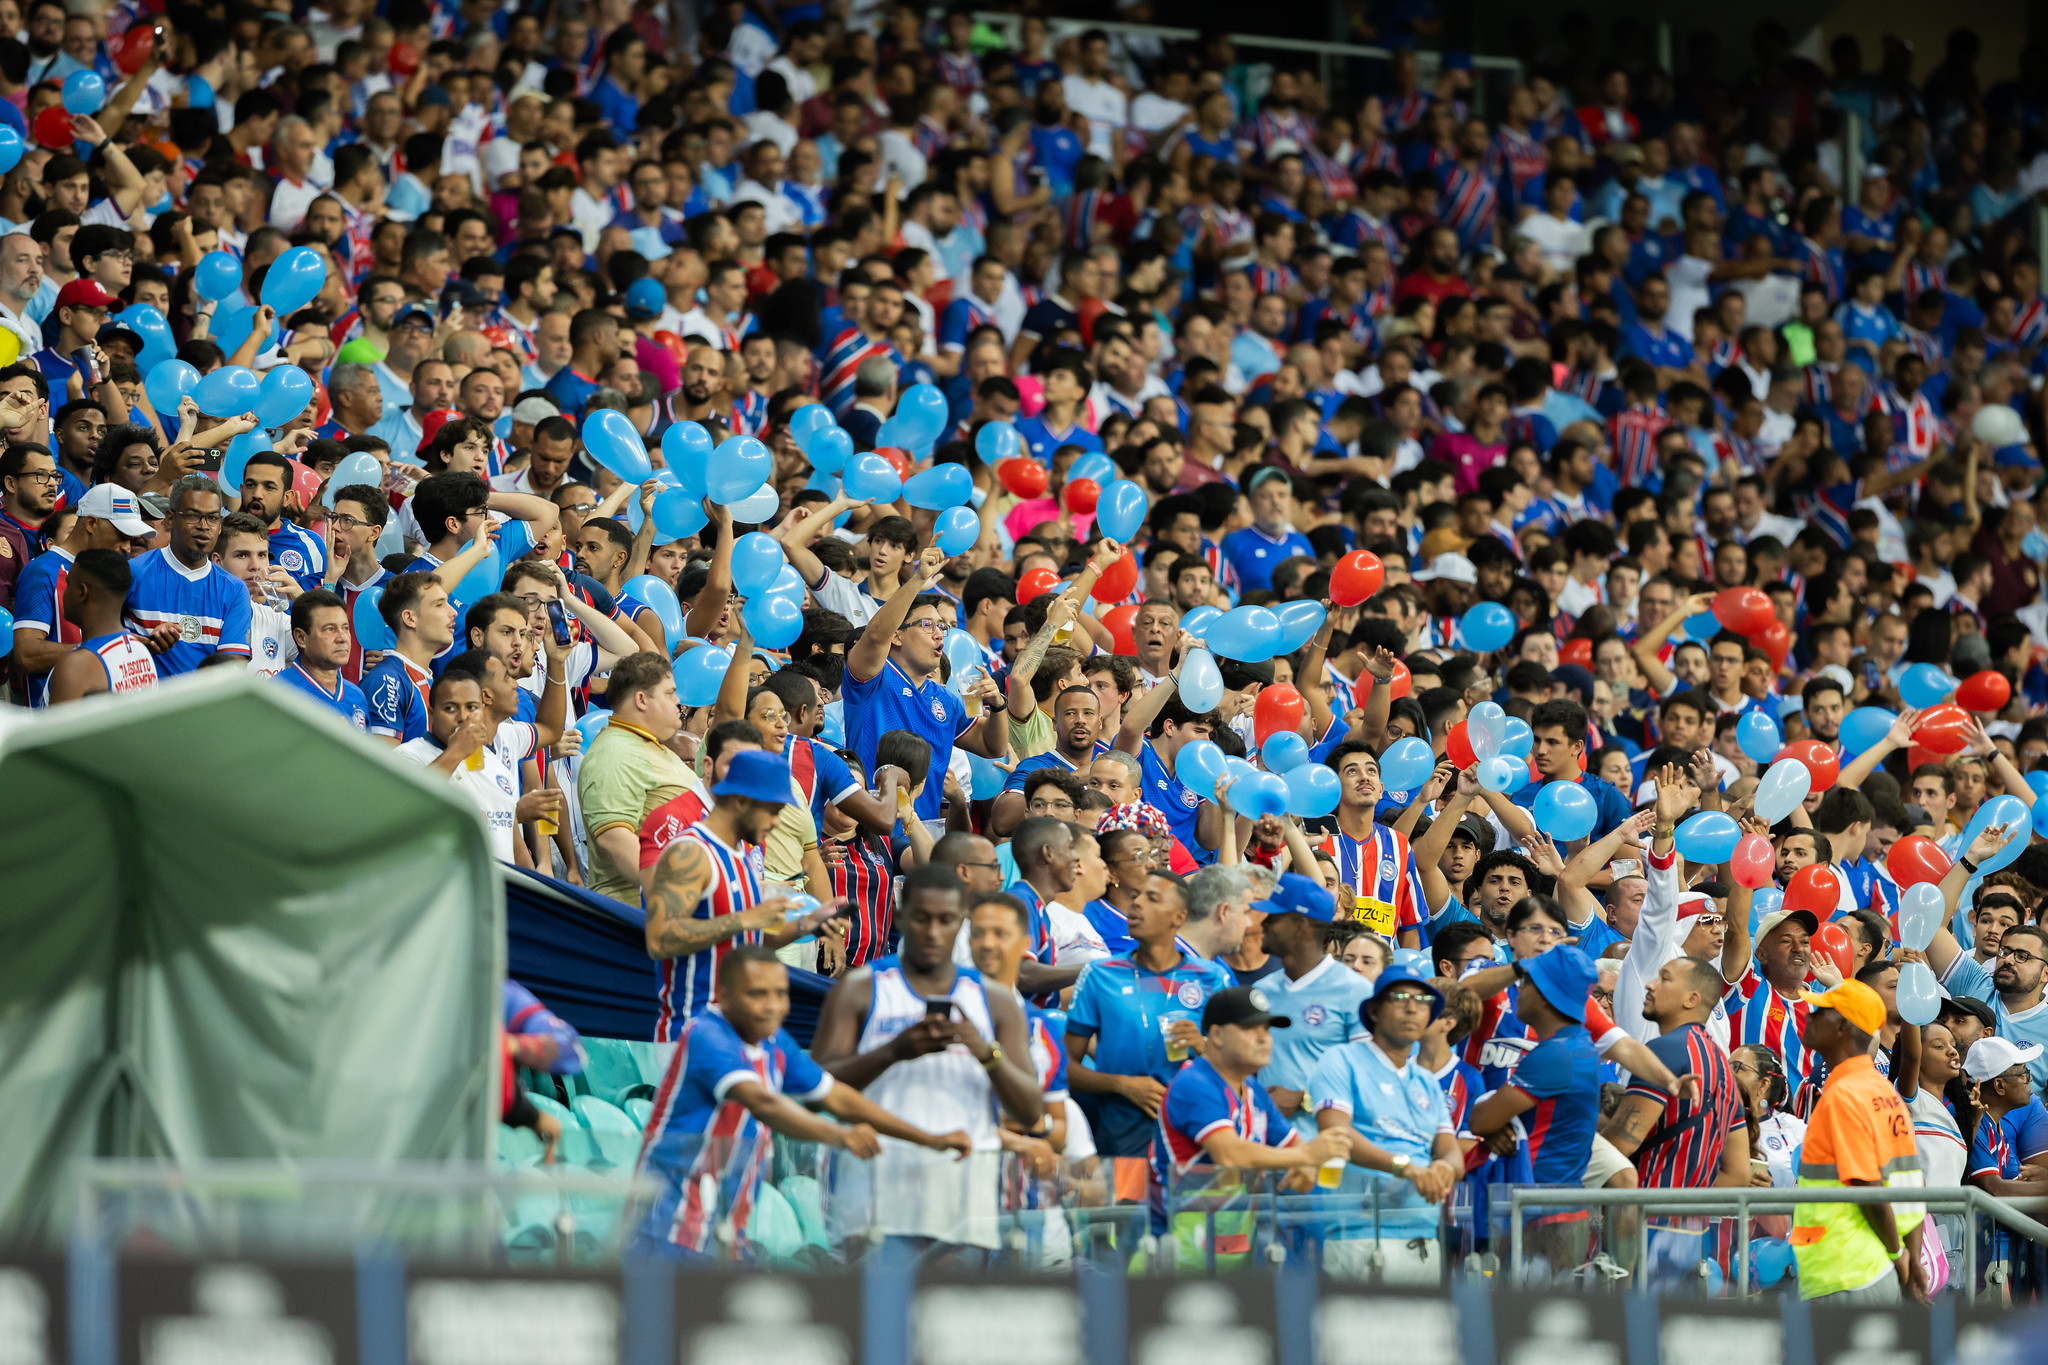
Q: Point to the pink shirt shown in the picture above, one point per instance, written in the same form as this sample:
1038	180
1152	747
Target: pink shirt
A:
1463	451
1026	515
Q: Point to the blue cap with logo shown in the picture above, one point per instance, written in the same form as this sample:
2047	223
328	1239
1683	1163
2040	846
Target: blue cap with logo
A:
1299	895
645	298
1562	976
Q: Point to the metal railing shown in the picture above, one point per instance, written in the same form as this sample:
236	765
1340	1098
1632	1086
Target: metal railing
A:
1740	1204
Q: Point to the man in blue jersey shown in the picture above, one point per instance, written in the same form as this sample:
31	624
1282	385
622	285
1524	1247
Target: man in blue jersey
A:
266	480
321	634
1156	727
728	1087
891	683
1271	539
109	518
1074	717
1313	989
1559	753
1066	384
1140	1012
422	621
185	606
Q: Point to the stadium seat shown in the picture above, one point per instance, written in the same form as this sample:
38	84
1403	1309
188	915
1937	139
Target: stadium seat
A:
616	1067
518	1148
577	1147
639	1110
806	1198
615	1134
774	1229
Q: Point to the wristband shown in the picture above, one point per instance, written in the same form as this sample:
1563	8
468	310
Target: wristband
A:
1967	866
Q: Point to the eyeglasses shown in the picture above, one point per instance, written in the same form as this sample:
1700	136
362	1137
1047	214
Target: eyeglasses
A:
1709	919
1542	931
197	518
116	255
581	508
2020	956
934	624
41	475
342	521
1407	998
1052	805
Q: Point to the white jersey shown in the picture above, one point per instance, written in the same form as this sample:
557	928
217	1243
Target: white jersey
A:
493	786
920	1193
271	649
130	666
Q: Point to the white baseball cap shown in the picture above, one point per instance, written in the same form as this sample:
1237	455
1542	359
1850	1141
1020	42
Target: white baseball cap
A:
1449	565
1994	1056
113	503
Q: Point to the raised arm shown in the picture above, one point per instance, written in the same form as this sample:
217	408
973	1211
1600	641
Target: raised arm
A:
1645	648
1897	735
711	600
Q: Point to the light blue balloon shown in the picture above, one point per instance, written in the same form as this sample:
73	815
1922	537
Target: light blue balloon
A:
217	275
1312	791
658	597
939	488
480	582
699	673
1259	795
167	386
1517	739
1702	627
1918	997
756	560
1235	769
923	410
758	508
1198	764
1486	627
1758	736
1920	912
147	323
1095	466
84	92
358	469
231	326
612	441
1924	685
788	583
1299	622
1999	810
956	530
686	447
1565	811
293	280
372	632
1765	900
962	656
996	442
1864	727
1498	774
806	422
1201	682
773	621
235	460
10	155
1283	752
1246	634
2038	780
894	434
678	514
871	478
1405	765
1120	510
830	450
737	470
284	394
1197	621
1782	787
1486	728
985	779
1709	837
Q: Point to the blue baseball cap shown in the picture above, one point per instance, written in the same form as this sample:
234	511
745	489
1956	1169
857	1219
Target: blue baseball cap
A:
1402	974
414	312
1299	895
758	776
1563	976
645	298
2013	457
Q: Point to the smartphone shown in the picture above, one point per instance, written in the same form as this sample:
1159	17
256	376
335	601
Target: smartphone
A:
938	1009
558	618
82	358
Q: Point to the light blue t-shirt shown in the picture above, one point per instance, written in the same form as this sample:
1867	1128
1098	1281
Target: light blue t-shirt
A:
1968	976
397	429
1323	1007
2028	1027
1397	1109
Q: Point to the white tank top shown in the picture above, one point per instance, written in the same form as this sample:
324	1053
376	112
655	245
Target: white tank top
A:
130	668
942	1091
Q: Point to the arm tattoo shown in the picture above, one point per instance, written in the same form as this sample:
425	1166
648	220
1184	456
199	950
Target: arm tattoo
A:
680	881
1034	653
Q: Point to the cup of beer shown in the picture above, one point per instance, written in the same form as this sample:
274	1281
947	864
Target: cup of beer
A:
1330	1174
1176	1050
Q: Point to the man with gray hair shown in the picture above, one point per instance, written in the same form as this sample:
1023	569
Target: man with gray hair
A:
21	275
874	398
1219	899
356	400
292	148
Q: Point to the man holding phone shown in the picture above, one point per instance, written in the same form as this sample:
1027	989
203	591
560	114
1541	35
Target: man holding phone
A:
80	311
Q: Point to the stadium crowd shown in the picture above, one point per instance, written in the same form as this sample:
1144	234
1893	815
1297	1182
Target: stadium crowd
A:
1446	651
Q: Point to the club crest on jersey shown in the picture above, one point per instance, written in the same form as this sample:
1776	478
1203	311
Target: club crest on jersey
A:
938	709
291	561
1189	994
1188	798
1314	1015
505	784
1387	869
270	647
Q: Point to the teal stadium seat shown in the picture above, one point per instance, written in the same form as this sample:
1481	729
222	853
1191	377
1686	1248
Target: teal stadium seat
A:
613	1131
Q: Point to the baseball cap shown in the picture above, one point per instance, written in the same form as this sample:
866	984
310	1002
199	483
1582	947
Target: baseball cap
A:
360	351
2013	457
645	298
155	506
1791	706
1245	1006
1970	1005
436	94
116	505
1860	1005
1805	919
431	424
534	411
1299	895
468	294
1402	974
1994	1056
1264	474
757	776
1563	976
413	312
84	293
1477	830
1577	677
1449	565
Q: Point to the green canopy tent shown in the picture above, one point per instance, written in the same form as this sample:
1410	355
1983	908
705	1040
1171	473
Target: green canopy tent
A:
235	928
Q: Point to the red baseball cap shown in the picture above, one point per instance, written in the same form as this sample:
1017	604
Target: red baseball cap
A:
432	423
86	293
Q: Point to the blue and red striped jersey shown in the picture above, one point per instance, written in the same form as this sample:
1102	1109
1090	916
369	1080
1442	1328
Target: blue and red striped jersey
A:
1683	1150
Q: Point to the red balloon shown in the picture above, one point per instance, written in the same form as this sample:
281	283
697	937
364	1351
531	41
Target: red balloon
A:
1776	641
1945	728
1576	651
1357	576
1458	747
1081	495
131	49
1026	478
1753	861
1036	583
53	127
899	460
1986	691
1833	940
305	483
1119	620
1401	683
674	345
1817	889
1821	762
1917	755
1744	610
1119	580
1913	860
404	59
1277	708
